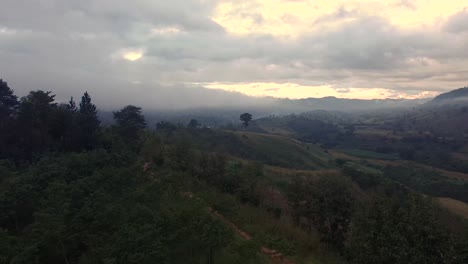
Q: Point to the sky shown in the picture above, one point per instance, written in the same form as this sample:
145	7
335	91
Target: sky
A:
160	53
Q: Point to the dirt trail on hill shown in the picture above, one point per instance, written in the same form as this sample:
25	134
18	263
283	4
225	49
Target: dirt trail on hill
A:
274	255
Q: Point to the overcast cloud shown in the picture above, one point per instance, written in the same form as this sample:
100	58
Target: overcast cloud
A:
161	54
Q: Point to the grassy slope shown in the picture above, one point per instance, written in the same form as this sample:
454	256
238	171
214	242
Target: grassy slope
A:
456	207
278	234
366	154
349	155
269	149
275	126
280	177
284	151
284	158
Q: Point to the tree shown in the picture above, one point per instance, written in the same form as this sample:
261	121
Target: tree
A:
326	203
246	118
166	126
193	124
88	122
8	105
130	122
72	105
63	127
35	118
8	101
213	235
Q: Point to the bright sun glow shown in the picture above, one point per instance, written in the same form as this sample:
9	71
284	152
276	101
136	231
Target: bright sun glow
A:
133	55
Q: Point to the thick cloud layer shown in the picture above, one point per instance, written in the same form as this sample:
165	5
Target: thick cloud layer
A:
161	53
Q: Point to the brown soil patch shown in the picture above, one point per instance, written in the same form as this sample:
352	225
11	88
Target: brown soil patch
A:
453	174
456	207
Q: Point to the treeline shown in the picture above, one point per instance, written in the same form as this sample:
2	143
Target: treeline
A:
37	124
72	191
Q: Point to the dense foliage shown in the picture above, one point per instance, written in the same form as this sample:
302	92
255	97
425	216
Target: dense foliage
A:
399	228
73	192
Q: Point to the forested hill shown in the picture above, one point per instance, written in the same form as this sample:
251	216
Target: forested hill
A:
75	191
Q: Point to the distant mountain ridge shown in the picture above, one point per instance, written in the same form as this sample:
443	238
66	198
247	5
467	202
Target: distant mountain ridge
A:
452	96
340	104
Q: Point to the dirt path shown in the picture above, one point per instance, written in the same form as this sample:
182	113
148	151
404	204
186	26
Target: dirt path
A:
274	255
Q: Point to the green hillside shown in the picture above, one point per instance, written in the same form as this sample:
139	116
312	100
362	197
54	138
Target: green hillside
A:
73	191
269	149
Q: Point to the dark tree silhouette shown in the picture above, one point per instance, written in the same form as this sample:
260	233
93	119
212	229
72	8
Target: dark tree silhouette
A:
8	101
65	128
245	118
72	105
35	117
88	122
193	124
130	122
8	104
62	126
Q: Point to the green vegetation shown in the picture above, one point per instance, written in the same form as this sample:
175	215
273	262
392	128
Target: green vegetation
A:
268	149
399	228
428	182
95	207
74	191
326	204
366	154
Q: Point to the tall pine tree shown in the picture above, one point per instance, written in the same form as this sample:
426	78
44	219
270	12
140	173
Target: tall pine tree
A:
88	122
8	101
35	117
64	128
8	104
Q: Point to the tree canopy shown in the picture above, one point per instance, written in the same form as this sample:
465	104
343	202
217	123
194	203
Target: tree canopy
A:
130	121
88	122
246	118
